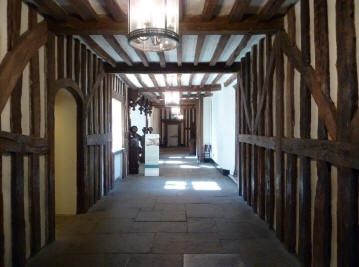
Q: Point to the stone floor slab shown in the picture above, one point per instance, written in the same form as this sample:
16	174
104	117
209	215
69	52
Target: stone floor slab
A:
213	260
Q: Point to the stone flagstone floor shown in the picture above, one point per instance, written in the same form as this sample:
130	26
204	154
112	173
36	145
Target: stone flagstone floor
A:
189	216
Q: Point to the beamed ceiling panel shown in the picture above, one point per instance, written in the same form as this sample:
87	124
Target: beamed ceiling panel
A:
102	25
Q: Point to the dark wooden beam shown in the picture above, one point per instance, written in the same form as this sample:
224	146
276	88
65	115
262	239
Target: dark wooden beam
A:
270	8
268	129
219	49
231	79
291	164
34	161
221	25
112	7
304	178
98	49
204	79
84	9
199	45
238	50
337	153
162	57
51	8
209	10
193	88
238	10
172	68
118	48
322	203
218	77
347	96
16	60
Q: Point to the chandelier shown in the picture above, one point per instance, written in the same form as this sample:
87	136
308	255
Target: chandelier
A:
153	24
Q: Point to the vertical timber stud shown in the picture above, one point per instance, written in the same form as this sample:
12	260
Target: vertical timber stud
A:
91	166
239	127
248	147
243	131
2	239
236	125
269	156
291	168
305	237
347	105
322	209
50	67
279	179
83	201
17	159
253	99
261	159
34	167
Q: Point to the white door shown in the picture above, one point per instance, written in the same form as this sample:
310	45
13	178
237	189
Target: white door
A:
172	135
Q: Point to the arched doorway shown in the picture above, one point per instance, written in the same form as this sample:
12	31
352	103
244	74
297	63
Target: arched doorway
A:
66	143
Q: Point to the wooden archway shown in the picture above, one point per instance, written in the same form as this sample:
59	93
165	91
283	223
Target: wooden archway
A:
75	90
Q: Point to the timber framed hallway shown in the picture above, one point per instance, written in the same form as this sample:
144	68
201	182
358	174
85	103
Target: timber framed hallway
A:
268	94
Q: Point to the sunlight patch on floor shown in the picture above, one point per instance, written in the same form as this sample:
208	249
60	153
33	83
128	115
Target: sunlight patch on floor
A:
206	185
175	185
189	167
196	185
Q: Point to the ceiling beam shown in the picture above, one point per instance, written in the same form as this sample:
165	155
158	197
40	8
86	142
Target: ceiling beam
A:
127	81
161	55
219	49
269	9
181	9
230	79
199	45
50	8
139	79
238	50
186	103
190	96
115	11
204	80
98	50
84	9
179	79
193	88
238	10
173	68
221	25
154	80
209	9
179	52
218	77
118	48
142	56
191	79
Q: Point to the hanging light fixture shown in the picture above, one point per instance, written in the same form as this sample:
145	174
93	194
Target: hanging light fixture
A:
153	25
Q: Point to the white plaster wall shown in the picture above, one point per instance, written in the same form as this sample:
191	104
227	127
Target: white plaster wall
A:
65	153
223	132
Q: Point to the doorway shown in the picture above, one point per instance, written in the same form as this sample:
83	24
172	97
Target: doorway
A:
172	131
66	138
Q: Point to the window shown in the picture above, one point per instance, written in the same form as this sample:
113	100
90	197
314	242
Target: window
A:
117	134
